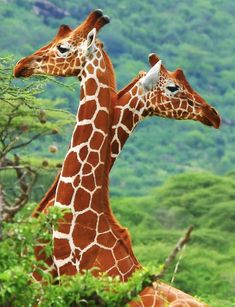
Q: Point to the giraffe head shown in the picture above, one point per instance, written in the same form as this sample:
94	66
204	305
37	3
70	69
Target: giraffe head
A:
170	95
66	54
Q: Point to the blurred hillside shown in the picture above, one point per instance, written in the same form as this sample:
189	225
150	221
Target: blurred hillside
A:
157	221
198	36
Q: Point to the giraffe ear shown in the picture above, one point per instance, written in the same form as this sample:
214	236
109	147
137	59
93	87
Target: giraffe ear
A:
91	36
152	77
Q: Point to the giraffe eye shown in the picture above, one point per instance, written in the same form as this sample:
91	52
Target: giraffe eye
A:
63	49
173	88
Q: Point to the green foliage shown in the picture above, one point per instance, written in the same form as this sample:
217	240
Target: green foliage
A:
17	261
26	119
80	290
24	116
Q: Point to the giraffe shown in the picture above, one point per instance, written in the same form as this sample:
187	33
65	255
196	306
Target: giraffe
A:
146	82
161	295
80	185
173	97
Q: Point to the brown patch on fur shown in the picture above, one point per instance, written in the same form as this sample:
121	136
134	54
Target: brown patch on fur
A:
71	165
65	193
97	140
82	199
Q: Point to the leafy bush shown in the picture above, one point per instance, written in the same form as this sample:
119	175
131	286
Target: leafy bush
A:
17	262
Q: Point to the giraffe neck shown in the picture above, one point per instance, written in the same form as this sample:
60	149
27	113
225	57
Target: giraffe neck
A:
121	262
127	112
130	109
80	186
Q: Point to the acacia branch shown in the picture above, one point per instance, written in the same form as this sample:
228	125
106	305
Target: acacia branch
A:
180	244
36	136
8	147
11	146
9	211
154	278
32	107
11	116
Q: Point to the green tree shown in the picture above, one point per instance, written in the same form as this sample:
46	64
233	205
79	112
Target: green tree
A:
24	120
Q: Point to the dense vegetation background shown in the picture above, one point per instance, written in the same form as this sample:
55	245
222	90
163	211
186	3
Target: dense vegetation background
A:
198	36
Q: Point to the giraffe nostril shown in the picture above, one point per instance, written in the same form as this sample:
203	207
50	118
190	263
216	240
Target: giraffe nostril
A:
21	72
214	111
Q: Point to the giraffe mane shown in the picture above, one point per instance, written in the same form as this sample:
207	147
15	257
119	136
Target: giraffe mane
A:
109	67
126	89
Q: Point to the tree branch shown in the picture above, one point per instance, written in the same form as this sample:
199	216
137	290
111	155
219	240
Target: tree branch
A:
180	244
11	116
25	187
10	147
154	278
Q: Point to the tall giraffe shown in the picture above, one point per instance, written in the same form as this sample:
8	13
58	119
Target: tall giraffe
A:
79	191
137	95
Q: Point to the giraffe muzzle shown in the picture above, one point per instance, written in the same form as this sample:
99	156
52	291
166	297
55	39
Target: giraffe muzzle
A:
23	68
23	72
210	117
